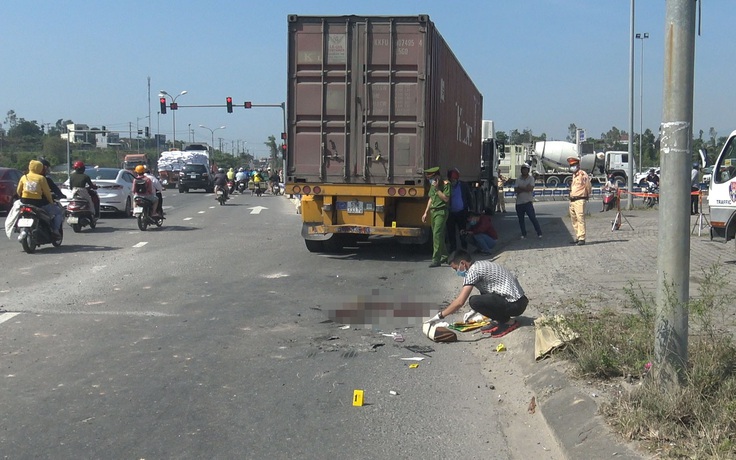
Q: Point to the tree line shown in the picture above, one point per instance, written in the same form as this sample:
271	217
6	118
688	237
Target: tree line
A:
24	140
615	139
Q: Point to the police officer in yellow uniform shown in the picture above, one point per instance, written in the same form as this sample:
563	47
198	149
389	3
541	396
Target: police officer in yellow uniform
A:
580	191
437	209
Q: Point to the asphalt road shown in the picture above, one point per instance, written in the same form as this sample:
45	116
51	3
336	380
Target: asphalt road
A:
210	338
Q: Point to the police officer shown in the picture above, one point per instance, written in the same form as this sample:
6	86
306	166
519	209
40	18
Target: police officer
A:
437	209
580	191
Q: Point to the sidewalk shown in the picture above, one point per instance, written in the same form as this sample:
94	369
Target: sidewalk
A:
550	272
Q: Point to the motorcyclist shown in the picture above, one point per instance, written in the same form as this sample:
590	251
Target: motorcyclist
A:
33	189
143	187
610	190
274	179
221	182
257	179
78	179
158	189
653	177
55	190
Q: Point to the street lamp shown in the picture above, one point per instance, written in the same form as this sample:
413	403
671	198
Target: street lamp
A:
163	93
212	131
641	37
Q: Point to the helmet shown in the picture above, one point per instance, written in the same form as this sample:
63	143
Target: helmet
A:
651	171
240	169
696	166
140	169
44	162
78	166
222	170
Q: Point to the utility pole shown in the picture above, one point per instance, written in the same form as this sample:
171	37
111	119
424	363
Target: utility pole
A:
673	250
630	172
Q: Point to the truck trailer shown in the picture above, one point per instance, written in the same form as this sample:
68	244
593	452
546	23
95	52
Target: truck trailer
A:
372	103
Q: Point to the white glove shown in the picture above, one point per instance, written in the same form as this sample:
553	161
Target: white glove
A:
468	315
433	319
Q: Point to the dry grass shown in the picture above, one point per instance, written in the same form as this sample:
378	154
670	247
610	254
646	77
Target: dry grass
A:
694	420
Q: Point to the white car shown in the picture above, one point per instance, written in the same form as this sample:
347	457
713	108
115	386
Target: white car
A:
115	188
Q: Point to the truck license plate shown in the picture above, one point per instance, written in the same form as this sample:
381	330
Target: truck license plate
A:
25	222
193	176
355	207
72	220
137	210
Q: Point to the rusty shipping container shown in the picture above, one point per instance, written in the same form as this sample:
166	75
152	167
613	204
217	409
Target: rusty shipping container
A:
376	100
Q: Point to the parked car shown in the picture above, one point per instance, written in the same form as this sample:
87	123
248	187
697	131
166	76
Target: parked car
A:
194	176
115	188
9	179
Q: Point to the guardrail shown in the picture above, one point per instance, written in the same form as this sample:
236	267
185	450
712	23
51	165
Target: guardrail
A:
562	192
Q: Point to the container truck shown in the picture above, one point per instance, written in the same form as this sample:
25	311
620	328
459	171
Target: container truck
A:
372	103
549	163
722	193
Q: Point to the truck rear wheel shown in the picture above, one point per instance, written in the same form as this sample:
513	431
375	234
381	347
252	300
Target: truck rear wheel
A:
553	181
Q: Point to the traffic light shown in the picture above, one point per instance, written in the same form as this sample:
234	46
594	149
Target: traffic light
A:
174	106
148	131
163	104
229	102
247	105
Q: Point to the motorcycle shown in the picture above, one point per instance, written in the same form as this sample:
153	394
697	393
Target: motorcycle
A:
143	211
34	226
220	195
242	186
652	196
230	186
276	188
80	212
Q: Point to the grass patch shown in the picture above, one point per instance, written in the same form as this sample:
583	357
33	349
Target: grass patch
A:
694	420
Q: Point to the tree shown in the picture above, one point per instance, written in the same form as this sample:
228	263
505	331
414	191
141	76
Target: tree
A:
275	159
501	136
572	133
11	119
54	149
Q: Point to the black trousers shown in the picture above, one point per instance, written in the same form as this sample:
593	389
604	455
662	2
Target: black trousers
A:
694	200
496	306
456	220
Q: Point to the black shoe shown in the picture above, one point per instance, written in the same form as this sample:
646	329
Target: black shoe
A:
581	242
434	265
574	242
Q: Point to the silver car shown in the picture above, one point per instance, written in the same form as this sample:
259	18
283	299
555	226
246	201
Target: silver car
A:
115	188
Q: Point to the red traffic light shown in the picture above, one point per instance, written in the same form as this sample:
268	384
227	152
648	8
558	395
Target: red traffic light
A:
174	106
163	104
229	102
247	105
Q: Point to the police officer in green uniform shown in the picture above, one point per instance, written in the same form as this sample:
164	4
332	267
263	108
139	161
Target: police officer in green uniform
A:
437	209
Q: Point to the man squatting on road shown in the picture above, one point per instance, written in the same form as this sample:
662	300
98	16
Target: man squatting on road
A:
501	296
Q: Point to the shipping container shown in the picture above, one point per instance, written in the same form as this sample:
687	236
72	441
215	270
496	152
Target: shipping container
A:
377	100
373	102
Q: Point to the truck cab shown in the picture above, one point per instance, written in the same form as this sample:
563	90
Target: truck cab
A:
722	193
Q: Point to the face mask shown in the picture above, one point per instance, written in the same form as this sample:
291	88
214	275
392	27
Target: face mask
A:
473	222
573	168
461	273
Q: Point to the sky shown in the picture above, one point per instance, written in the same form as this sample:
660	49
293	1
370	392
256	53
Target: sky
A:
540	64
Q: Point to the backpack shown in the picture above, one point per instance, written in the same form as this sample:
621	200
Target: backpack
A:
140	186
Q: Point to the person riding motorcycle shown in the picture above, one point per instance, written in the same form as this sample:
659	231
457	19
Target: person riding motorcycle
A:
79	180
158	189
55	190
274	179
221	182
231	174
653	177
143	187
33	189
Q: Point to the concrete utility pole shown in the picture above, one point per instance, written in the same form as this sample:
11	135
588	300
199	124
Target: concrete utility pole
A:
673	251
630	173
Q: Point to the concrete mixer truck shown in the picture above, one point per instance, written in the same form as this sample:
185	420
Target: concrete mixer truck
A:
549	163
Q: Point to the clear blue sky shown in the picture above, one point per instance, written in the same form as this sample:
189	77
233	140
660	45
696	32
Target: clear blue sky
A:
540	64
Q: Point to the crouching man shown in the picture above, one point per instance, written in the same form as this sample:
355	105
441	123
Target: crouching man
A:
501	297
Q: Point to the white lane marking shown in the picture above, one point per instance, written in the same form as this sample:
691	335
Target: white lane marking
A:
187	218
141	244
202	212
257	209
6	316
103	313
275	275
